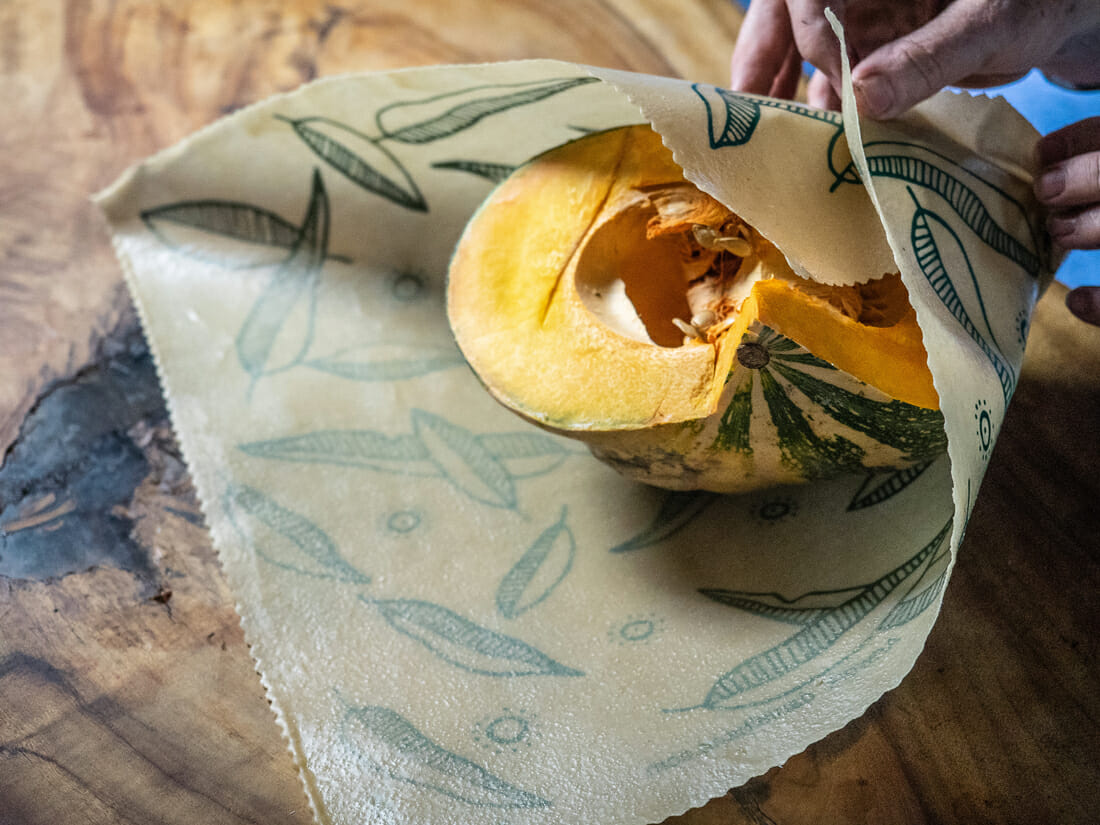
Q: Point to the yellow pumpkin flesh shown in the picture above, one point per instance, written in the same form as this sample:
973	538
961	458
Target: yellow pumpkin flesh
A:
599	294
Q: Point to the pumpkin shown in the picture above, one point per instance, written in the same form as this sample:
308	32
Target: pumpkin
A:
599	294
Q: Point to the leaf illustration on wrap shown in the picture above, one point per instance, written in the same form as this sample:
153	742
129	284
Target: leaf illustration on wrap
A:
388	361
912	606
495	172
543	566
879	487
402	454
931	263
767	605
677	510
305	548
529	454
965	202
731	118
816	636
227	233
436	448
395	747
840	160
440	116
359	158
294	280
463	459
465	644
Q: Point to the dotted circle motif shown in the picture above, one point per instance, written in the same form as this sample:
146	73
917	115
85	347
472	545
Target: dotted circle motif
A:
775	510
507	730
983	421
636	630
403	521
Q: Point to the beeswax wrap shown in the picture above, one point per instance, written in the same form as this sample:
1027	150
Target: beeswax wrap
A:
460	618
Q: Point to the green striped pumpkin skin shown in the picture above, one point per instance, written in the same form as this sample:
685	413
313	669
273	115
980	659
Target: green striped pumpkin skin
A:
785	417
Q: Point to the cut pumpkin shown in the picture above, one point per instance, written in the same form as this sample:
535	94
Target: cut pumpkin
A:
601	295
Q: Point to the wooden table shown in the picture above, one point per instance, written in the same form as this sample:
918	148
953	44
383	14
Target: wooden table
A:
126	691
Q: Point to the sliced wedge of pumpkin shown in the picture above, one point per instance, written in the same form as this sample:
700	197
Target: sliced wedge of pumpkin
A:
601	295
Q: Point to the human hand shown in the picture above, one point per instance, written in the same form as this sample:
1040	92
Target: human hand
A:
906	52
1069	186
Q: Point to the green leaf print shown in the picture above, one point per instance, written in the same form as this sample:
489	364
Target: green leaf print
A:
677	510
465	644
816	636
495	172
361	159
392	745
731	118
305	547
768	605
931	263
539	571
529	454
961	198
235	235
295	279
483	467
463	459
403	454
880	487
430	119
388	362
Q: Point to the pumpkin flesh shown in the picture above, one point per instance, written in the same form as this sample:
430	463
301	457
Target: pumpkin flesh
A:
599	294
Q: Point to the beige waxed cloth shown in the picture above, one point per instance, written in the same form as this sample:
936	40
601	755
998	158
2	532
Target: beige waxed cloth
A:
462	619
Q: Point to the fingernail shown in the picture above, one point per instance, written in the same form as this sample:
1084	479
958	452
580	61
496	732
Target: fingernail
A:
1051	184
1060	227
875	95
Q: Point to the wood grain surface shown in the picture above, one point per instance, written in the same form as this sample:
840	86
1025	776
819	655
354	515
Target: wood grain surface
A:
127	694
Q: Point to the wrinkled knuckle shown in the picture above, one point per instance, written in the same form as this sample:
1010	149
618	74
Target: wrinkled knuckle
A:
924	66
1088	229
1092	175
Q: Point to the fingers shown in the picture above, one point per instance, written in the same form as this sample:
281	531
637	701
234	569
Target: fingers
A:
814	36
1084	302
1072	182
785	84
951	47
820	93
1075	139
1076	229
1069	184
762	54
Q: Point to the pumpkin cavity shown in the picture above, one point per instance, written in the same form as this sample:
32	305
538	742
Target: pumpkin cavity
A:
672	266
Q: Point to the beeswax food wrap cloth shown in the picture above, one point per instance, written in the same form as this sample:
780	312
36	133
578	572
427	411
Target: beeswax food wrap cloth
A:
460	618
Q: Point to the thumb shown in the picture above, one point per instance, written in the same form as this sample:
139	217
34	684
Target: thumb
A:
954	45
